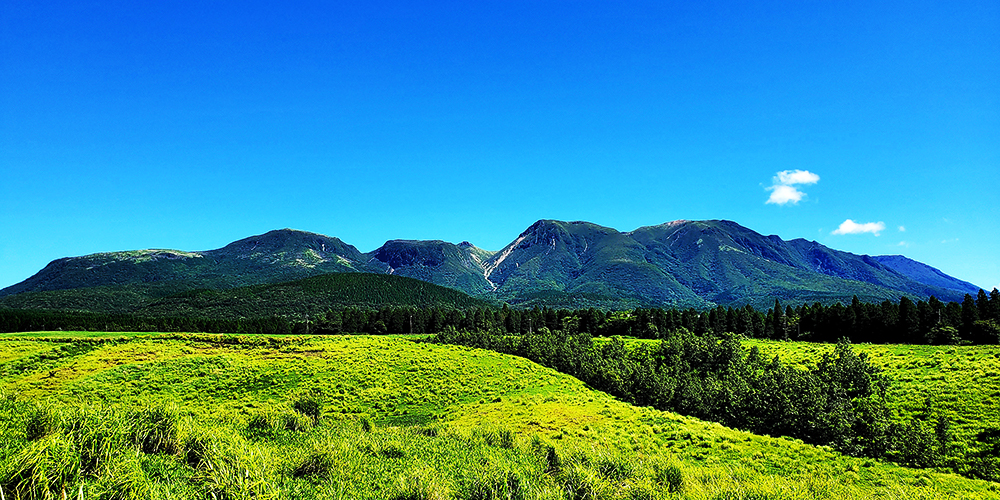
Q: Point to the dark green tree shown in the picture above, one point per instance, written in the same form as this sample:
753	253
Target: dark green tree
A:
983	304
778	320
970	314
908	323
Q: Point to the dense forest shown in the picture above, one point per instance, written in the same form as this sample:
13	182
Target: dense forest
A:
976	320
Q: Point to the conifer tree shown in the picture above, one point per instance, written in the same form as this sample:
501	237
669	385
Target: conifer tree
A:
970	314
983	304
779	321
995	305
908	325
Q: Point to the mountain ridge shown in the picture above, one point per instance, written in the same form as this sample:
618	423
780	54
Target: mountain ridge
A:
555	263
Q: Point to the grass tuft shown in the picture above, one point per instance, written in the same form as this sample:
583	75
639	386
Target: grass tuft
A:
316	464
498	437
495	484
668	477
40	422
156	429
421	483
309	406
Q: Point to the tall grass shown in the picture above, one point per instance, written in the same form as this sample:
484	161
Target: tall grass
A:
155	452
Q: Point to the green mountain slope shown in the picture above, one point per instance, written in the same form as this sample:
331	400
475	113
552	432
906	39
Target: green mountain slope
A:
273	257
726	263
552	263
580	258
312	295
689	263
456	266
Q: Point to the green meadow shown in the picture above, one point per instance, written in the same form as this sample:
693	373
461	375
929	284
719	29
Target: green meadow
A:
220	416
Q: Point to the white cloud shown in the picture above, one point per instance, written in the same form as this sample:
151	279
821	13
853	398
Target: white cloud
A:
784	194
782	191
851	227
902	229
904	244
790	177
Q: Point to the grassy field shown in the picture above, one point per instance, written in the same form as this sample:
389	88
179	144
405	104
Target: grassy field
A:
204	416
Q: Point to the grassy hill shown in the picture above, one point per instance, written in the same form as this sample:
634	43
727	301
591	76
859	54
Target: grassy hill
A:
395	419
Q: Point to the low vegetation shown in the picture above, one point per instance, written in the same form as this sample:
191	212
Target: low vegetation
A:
209	416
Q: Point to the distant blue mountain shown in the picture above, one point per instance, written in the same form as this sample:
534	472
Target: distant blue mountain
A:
920	272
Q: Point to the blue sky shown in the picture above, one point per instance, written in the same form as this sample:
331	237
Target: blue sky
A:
187	125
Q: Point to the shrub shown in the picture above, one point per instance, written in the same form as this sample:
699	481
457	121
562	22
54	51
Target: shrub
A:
985	460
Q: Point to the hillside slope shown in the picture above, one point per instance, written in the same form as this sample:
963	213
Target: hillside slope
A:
311	296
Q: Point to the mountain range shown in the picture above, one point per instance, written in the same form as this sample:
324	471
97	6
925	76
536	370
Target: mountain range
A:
552	263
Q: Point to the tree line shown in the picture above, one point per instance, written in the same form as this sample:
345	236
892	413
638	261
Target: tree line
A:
27	320
972	321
